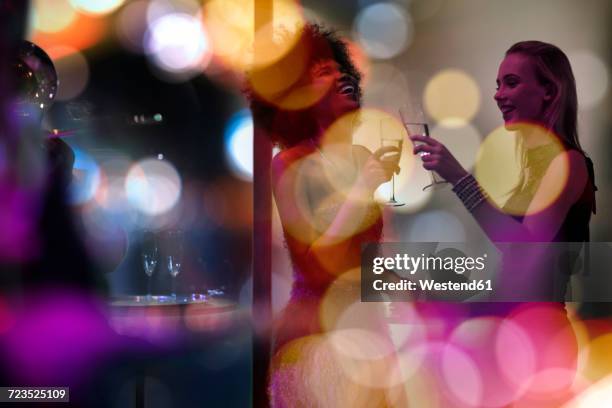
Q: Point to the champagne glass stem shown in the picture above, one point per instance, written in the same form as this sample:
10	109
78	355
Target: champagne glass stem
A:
174	287
149	287
393	188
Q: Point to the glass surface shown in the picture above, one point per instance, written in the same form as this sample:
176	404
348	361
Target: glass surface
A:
390	137
150	256
421	128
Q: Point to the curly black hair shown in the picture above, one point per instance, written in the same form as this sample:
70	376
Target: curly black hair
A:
287	127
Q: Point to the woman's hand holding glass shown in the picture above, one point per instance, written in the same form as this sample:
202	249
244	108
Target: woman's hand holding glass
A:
377	171
436	157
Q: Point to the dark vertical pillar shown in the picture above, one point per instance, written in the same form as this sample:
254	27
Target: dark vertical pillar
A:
262	237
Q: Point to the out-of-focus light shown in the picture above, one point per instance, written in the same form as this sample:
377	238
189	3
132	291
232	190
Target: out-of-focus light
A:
52	16
476	337
96	6
592	78
59	335
160	156
177	43
498	167
83	32
598	358
6	317
384	30
436	226
239	145
131	25
597	395
456	365
86	177
515	353
385	87
159	8
452	97
463	141
554	345
231	27
110	194
72	72
153	186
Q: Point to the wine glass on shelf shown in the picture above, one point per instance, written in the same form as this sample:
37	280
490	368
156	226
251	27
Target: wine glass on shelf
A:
390	137
174	258
150	257
422	129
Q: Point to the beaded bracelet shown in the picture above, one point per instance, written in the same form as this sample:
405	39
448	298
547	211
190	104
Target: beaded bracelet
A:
469	192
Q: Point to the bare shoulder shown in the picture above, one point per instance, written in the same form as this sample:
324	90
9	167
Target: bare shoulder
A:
568	168
288	157
573	161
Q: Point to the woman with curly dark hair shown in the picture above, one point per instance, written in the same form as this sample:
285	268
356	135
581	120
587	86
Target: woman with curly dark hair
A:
323	186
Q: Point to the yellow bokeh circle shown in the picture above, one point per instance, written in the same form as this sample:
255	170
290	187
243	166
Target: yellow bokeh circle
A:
452	97
518	159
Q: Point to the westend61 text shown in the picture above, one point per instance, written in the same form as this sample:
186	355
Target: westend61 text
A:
432	285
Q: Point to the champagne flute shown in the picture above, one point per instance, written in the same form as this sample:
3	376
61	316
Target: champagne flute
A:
150	257
422	129
174	257
390	137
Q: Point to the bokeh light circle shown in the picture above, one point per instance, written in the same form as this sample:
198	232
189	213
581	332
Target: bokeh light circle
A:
159	8
462	141
498	167
232	32
72	72
515	353
52	16
239	145
462	376
452	97
358	353
592	78
287	84
86	177
153	186
384	30
96	6
131	25
178	43
110	194
598	359
385	87
314	360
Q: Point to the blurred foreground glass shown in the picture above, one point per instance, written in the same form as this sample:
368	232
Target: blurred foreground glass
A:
173	240
390	137
150	256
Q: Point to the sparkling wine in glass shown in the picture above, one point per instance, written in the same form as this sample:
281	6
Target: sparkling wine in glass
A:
150	257
422	129
390	137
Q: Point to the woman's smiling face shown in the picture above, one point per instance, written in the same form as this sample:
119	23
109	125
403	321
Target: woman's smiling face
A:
520	96
341	91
